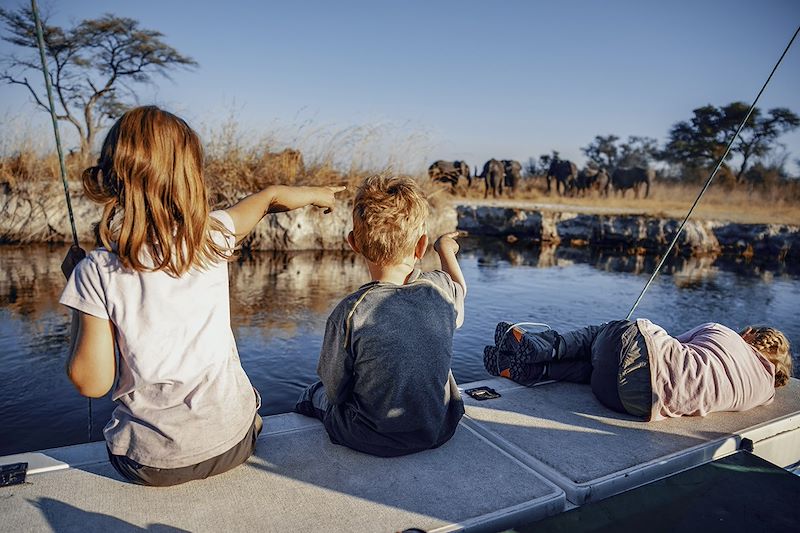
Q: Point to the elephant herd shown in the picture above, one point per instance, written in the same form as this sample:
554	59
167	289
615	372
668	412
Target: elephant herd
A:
496	174
507	173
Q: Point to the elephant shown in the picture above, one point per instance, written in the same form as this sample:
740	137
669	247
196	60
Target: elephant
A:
591	178
564	172
513	173
450	172
493	175
623	179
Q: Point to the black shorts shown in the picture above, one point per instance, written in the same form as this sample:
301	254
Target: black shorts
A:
621	369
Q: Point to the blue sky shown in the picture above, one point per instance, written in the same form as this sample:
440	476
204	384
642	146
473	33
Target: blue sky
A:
455	80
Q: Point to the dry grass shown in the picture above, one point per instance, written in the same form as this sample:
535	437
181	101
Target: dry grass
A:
779	204
236	166
25	166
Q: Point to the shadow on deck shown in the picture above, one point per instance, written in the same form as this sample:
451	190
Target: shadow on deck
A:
517	459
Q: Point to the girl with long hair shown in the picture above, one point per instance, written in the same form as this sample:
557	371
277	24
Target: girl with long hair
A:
150	305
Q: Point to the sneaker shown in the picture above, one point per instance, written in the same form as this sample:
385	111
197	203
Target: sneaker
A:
504	364
495	363
526	346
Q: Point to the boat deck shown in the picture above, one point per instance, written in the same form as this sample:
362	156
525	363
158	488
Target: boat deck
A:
739	493
532	453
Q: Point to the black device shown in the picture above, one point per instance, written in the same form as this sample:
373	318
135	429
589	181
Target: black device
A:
483	393
13	474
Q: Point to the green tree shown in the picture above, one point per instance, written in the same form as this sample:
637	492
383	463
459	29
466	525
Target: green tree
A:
540	166
639	151
92	65
603	151
608	152
701	141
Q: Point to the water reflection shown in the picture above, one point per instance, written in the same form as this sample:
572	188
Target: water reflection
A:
280	301
30	279
287	285
685	270
278	290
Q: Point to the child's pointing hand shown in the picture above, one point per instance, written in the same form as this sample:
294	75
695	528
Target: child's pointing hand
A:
326	197
447	243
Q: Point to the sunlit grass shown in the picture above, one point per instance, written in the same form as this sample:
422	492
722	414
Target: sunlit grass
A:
239	162
779	204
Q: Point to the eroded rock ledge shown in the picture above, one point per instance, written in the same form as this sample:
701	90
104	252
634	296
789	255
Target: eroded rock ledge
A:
631	231
33	215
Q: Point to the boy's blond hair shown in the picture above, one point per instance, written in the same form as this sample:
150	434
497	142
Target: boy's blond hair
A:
389	215
149	178
773	345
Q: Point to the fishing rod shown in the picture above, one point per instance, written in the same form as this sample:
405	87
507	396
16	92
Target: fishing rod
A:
711	177
40	43
54	118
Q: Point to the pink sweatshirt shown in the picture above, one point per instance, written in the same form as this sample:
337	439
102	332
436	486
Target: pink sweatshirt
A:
709	368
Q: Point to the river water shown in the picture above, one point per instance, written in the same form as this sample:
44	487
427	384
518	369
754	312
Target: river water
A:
279	303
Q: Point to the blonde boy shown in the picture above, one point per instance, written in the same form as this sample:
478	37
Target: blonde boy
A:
386	386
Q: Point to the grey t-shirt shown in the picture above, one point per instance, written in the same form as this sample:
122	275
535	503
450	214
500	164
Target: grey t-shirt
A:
385	364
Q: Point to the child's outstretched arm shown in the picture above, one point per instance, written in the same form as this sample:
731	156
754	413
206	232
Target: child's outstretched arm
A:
447	248
276	199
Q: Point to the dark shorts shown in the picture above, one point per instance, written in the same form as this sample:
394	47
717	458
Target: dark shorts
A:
621	369
165	477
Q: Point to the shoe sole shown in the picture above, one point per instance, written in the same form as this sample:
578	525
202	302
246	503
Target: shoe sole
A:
522	373
520	343
491	362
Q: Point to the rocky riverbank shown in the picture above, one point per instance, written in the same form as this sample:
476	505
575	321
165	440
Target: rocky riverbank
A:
637	232
30	214
33	215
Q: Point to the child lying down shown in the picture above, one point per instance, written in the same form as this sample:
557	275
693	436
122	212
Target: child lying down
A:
636	367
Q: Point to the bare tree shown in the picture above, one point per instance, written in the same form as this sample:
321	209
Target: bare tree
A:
92	66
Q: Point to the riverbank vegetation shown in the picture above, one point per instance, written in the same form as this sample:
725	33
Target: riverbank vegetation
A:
235	167
778	203
238	162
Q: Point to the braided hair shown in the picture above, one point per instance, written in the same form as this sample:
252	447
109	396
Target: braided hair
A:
773	345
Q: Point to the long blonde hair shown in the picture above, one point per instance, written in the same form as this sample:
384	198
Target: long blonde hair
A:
773	345
149	178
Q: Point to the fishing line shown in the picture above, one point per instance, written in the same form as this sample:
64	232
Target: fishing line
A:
62	166
711	177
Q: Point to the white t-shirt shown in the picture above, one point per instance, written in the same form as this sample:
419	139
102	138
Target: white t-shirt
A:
182	395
